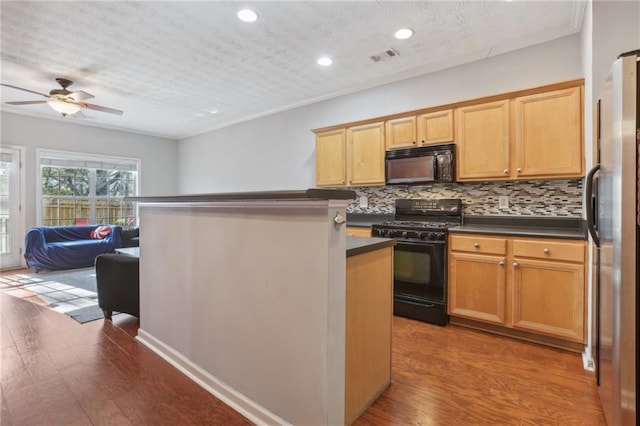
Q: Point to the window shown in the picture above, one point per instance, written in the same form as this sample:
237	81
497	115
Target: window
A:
86	190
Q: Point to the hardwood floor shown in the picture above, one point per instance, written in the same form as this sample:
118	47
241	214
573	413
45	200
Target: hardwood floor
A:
56	371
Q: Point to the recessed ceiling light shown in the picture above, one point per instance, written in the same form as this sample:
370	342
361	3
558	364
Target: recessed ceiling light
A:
325	61
404	33
247	15
213	111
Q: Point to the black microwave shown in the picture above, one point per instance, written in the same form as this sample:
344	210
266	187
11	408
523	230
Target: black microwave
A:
426	164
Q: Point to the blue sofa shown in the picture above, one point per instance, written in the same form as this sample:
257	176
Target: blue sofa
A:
67	247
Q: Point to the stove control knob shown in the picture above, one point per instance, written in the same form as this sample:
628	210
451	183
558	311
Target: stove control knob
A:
441	235
404	234
432	235
423	235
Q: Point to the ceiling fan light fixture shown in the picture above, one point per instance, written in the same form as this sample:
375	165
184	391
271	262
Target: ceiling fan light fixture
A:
64	108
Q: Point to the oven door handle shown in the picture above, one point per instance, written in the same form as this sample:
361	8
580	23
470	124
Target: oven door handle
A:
419	242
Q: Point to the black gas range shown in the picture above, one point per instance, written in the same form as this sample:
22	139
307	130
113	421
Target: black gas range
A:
420	256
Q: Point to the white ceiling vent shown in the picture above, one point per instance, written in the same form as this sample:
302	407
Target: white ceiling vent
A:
385	56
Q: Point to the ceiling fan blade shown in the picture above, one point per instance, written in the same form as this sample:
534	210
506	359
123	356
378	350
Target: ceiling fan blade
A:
78	114
103	109
24	90
80	95
26	102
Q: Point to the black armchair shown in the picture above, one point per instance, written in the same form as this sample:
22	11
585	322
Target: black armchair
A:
118	279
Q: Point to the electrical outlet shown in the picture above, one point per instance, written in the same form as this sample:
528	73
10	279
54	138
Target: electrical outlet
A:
503	202
364	202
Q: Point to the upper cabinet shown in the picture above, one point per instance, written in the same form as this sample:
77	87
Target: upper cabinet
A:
401	132
331	158
482	138
548	134
435	127
523	135
350	157
538	136
419	130
365	155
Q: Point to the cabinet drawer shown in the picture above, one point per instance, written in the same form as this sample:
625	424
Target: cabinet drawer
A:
549	249
356	231
478	244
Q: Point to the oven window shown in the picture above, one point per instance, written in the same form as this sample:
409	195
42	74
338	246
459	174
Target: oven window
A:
419	271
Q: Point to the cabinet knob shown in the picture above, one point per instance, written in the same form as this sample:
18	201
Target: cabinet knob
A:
505	171
516	264
519	170
350	182
476	245
414	142
501	263
546	251
342	182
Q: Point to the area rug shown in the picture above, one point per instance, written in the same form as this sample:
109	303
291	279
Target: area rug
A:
71	292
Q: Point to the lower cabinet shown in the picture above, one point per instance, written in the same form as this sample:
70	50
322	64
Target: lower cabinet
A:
526	287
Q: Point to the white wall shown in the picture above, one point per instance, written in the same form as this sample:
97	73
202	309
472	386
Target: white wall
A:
277	151
157	155
616	29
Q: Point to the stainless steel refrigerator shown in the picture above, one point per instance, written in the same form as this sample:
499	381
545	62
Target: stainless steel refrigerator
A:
614	222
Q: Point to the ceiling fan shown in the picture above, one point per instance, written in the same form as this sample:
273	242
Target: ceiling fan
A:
64	101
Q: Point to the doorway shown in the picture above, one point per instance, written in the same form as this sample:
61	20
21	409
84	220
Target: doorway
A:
11	212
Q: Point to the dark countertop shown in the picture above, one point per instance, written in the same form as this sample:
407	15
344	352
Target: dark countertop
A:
308	194
572	228
365	220
360	245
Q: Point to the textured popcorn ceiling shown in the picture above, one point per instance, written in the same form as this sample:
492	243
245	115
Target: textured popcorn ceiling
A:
167	64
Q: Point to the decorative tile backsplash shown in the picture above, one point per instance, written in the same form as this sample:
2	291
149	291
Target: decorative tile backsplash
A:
526	198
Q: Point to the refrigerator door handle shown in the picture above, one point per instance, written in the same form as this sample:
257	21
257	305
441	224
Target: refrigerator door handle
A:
591	219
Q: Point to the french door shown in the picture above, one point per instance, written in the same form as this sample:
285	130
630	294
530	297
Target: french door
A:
11	221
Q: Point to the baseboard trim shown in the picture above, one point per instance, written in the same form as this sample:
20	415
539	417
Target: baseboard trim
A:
236	400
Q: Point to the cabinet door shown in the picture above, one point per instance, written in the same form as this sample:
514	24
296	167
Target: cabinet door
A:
365	154
548	298
482	136
401	132
435	127
548	134
331	163
477	287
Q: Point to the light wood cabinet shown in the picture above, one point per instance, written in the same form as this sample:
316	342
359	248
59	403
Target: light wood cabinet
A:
522	135
529	137
350	156
548	287
331	158
482	139
420	130
534	286
357	231
365	155
435	127
548	134
369	316
401	133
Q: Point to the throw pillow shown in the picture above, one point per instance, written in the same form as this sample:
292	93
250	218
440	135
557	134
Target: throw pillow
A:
101	232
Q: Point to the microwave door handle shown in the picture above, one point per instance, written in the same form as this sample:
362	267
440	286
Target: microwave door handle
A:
436	169
588	193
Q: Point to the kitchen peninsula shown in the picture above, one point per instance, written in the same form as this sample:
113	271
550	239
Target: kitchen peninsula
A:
263	300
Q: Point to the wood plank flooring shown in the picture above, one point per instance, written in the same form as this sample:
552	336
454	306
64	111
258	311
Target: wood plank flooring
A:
55	371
